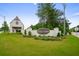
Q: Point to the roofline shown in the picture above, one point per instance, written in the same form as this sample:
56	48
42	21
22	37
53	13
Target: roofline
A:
19	20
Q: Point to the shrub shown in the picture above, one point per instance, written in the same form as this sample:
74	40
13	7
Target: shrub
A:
25	32
48	38
58	35
69	33
29	33
44	38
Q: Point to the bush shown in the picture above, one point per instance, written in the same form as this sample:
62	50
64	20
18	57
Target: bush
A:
69	33
48	38
29	33
44	38
25	33
58	35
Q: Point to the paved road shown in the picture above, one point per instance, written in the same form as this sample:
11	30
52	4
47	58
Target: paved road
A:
75	34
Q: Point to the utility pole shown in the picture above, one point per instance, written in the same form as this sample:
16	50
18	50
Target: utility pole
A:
64	30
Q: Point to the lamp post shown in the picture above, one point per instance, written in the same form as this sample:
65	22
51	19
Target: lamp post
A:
64	30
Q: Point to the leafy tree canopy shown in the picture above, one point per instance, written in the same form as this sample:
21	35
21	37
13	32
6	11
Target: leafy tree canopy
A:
49	17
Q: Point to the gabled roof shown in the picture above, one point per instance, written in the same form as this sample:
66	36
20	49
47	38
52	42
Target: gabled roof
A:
16	18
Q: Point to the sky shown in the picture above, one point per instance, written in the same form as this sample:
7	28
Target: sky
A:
27	13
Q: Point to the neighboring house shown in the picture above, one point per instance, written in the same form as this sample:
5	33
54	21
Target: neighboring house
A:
16	25
76	29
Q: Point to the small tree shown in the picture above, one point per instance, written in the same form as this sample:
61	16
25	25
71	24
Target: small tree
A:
29	33
25	32
0	29
5	27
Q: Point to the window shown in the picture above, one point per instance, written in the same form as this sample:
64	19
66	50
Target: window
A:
17	22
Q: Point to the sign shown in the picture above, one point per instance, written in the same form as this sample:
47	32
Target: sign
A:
43	31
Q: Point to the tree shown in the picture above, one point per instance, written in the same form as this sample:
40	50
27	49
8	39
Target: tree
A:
25	32
49	14
5	27
50	17
61	26
0	29
29	33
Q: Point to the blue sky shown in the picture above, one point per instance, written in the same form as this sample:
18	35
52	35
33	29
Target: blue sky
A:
27	13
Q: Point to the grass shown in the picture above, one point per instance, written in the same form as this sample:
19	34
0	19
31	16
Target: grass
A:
17	45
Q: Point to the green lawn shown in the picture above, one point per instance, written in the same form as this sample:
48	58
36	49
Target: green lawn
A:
16	44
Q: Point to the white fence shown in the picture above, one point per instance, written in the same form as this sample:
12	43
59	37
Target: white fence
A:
53	33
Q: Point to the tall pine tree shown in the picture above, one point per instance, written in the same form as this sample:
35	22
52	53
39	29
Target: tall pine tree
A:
48	14
50	17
